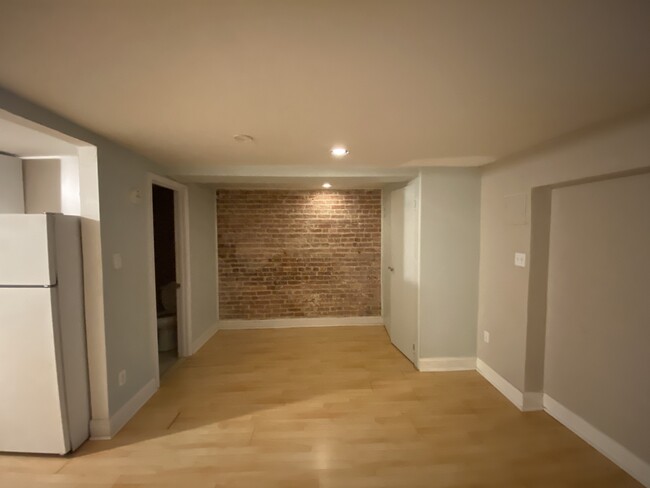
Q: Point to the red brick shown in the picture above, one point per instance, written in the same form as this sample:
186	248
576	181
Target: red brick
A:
289	254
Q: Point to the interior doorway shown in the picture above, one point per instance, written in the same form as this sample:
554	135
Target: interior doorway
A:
169	277
164	243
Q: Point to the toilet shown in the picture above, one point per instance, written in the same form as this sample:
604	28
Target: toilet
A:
167	326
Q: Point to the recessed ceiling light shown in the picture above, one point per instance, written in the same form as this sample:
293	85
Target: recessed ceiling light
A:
327	185
243	138
339	152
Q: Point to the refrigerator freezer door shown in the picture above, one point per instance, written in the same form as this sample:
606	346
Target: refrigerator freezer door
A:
31	404
26	245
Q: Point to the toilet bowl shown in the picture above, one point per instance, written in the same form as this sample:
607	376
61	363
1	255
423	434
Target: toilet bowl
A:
167	324
167	333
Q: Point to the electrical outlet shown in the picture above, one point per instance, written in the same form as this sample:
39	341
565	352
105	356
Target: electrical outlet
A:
121	377
486	337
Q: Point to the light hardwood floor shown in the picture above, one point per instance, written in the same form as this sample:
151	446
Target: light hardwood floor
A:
326	407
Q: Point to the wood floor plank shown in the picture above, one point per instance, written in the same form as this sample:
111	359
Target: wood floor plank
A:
322	407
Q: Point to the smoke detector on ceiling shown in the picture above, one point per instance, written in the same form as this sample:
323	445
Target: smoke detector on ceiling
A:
243	138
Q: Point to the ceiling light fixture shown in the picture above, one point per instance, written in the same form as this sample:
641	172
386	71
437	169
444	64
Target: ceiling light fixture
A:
339	152
327	186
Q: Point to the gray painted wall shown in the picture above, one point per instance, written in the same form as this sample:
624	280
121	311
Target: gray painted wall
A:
503	288
123	230
598	316
449	253
203	259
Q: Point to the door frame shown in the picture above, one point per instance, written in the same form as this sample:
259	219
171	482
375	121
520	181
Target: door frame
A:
182	240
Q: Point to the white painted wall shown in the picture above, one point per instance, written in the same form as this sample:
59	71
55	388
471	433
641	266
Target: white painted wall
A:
42	184
52	185
70	186
93	287
11	185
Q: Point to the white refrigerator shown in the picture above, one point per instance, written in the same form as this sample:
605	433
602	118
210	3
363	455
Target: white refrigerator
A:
44	393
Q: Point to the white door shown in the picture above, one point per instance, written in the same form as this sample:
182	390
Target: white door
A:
403	270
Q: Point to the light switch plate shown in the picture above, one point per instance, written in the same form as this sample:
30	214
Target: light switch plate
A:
117	261
520	259
486	336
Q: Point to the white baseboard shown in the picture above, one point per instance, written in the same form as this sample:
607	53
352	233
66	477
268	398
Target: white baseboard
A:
533	402
447	364
607	446
100	429
526	402
107	428
299	322
203	338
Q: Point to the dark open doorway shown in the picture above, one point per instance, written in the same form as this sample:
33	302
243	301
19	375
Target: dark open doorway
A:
165	271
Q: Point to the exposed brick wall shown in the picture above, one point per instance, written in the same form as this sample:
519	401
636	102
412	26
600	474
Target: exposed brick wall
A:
286	253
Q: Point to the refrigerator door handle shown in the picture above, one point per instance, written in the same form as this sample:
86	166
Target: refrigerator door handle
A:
53	285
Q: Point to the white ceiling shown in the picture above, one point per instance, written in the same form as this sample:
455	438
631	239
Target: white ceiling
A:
401	83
